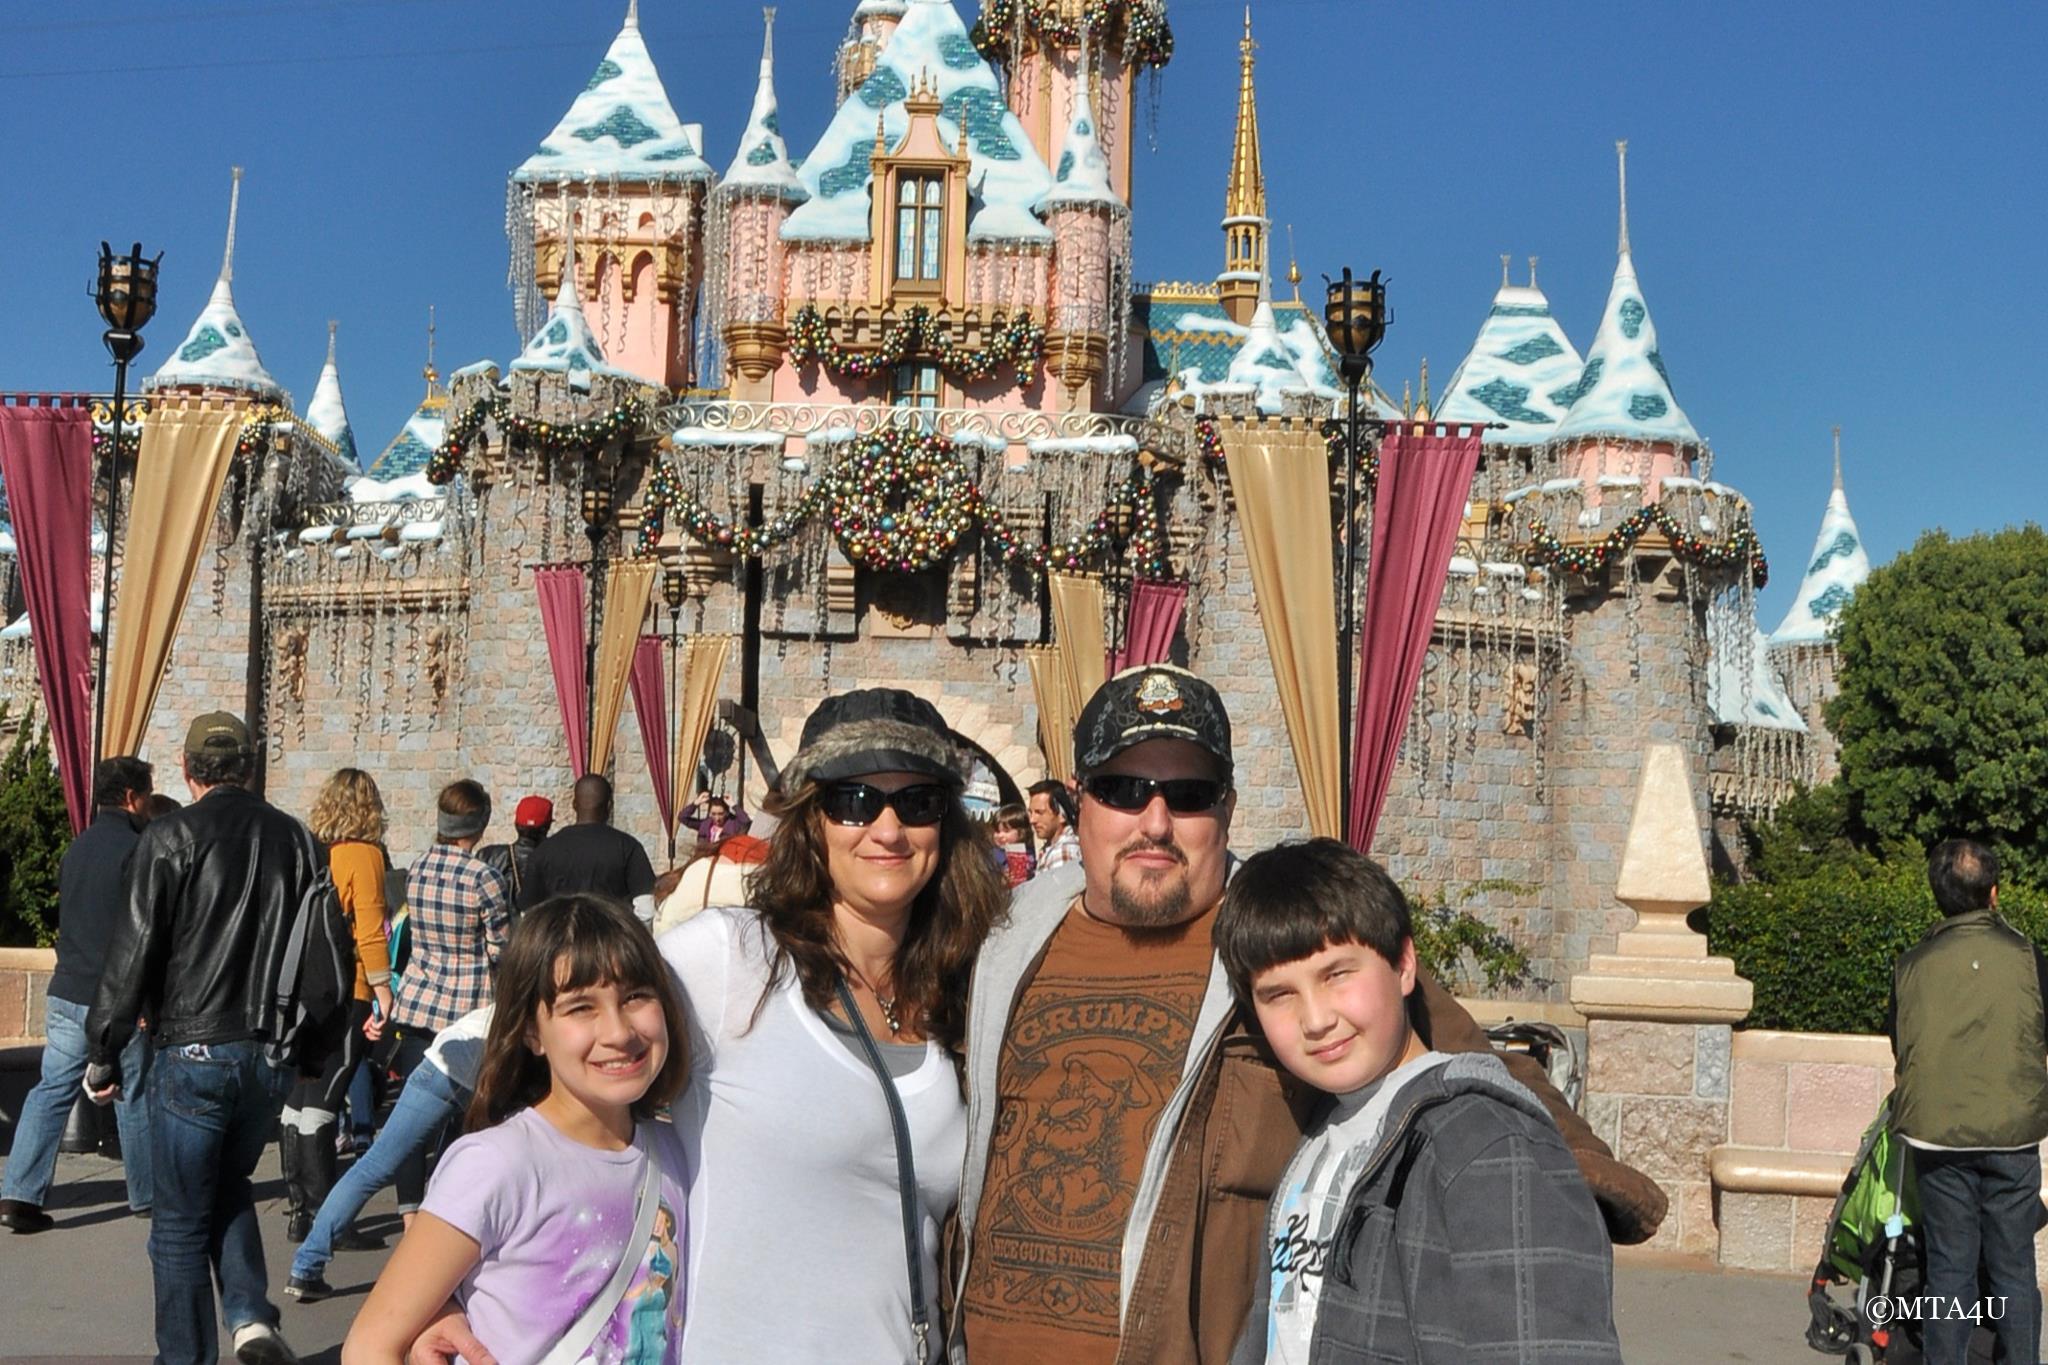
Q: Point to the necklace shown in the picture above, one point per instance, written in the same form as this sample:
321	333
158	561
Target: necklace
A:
889	1015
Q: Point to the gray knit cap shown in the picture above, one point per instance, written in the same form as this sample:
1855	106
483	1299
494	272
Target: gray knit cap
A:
874	730
449	827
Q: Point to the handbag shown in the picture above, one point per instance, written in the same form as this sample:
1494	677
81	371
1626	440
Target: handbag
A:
906	1178
582	1333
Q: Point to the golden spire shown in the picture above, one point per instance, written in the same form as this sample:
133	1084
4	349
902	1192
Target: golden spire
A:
1293	265
1244	203
1423	410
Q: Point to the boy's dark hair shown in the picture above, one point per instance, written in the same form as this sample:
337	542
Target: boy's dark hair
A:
1295	899
1962	873
565	944
116	777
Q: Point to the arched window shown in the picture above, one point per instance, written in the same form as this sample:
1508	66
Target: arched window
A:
920	222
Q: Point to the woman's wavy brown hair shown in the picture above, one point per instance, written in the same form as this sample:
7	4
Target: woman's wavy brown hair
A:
348	807
792	891
565	944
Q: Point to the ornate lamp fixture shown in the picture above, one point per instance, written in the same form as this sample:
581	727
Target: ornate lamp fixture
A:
1355	316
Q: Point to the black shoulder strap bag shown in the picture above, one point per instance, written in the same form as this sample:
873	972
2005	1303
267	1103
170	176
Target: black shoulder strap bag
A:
906	1178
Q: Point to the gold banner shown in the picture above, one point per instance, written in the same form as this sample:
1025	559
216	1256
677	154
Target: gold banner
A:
186	449
628	586
1055	713
703	668
1078	634
1280	476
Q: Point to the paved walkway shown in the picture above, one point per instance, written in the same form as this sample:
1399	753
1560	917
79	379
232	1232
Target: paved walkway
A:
83	1289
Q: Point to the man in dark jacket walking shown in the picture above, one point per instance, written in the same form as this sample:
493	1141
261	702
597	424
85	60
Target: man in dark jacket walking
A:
1970	1035
212	894
591	856
89	902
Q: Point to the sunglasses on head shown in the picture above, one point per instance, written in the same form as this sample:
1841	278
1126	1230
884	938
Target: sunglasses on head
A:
1184	795
857	803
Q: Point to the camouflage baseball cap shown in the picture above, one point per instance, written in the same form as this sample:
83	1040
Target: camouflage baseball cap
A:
1152	701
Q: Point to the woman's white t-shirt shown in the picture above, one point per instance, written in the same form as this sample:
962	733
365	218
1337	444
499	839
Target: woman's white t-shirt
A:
796	1229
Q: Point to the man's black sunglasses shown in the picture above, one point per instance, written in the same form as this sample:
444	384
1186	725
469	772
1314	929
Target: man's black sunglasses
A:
1184	795
856	803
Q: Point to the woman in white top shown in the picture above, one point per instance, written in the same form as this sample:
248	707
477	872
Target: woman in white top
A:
877	890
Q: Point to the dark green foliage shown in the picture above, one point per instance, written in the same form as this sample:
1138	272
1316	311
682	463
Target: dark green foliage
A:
1461	950
1820	948
1812	833
1943	712
34	832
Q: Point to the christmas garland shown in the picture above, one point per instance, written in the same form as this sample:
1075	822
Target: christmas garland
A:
1210	441
1147	37
1742	549
900	502
1016	341
556	438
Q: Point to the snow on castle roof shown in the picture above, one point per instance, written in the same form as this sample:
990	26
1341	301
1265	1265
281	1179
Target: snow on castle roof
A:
1624	391
410	449
762	164
327	414
1754	695
621	125
1006	176
565	344
1083	174
1522	370
1838	567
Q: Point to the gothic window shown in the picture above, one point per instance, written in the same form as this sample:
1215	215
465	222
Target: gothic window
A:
916	385
920	218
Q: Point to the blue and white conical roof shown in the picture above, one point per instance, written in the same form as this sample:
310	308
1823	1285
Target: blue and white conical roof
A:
565	344
218	352
1082	177
1838	566
1006	176
1624	392
1743	683
621	125
762	165
1269	366
327	414
1522	370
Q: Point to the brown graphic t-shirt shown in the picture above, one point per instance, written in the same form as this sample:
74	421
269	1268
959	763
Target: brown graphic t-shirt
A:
1094	1051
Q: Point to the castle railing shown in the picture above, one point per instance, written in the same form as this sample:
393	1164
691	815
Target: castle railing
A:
1171	442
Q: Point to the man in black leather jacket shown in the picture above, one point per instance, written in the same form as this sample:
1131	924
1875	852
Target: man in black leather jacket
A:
211	894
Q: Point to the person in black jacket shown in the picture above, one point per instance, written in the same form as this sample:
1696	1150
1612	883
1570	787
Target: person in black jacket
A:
590	856
212	893
89	902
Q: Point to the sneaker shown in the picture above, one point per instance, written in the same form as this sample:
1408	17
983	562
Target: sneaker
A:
258	1343
308	1288
20	1216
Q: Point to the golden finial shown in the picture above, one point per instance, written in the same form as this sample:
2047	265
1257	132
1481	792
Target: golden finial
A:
227	260
430	374
1422	408
1293	265
1407	398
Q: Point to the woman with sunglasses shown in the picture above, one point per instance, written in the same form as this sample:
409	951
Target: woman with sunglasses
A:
848	971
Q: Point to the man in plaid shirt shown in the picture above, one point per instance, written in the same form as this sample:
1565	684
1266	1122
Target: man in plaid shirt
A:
459	909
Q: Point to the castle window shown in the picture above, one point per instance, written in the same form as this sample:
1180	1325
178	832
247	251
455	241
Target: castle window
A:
916	385
920	218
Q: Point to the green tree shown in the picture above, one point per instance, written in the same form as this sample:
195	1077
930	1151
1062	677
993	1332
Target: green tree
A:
1811	833
1943	712
34	832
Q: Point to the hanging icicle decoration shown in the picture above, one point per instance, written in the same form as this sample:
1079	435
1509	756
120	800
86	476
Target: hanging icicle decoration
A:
529	310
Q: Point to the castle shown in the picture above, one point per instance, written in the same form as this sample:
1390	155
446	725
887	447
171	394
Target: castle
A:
862	402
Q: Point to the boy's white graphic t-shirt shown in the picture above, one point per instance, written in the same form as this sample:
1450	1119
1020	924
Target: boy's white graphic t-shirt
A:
1310	1202
552	1217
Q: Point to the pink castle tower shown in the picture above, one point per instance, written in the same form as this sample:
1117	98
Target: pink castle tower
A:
626	174
748	210
1091	280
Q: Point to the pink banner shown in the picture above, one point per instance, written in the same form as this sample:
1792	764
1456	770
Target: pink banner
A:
561	616
650	706
1155	612
46	464
1425	479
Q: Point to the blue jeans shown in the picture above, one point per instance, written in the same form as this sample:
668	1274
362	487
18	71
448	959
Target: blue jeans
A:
213	1109
1981	1206
33	1163
424	1107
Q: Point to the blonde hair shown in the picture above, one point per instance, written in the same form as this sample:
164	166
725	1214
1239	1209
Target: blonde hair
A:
348	807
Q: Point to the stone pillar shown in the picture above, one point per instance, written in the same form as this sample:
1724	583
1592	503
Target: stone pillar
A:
1659	1010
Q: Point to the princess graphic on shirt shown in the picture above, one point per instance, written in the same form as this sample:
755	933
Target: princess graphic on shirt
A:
650	1302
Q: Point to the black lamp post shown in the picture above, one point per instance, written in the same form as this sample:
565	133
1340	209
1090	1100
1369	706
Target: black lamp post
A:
1355	315
126	295
672	594
597	515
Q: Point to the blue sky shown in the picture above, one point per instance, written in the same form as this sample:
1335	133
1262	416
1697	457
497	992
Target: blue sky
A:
1836	209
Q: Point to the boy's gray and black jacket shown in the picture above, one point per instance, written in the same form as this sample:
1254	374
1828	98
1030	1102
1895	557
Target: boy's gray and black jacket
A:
1469	1236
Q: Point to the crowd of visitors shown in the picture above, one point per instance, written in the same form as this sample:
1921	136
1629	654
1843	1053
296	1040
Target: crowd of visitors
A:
1067	1081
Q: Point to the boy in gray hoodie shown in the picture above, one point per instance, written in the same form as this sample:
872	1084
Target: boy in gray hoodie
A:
1432	1212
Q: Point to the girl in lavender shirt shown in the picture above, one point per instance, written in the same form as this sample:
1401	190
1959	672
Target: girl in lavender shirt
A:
529	1216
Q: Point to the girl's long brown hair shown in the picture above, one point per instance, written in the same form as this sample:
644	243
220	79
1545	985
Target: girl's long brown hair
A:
793	893
565	944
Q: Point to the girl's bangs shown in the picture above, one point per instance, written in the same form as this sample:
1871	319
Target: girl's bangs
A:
601	952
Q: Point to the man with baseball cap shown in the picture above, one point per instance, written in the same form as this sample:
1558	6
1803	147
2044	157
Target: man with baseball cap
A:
212	891
1126	1122
532	818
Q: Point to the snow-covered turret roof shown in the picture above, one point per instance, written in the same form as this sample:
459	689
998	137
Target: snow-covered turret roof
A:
1006	177
1083	174
565	344
1743	685
1837	568
762	165
412	447
1521	371
327	414
622	125
1624	391
218	352
1269	366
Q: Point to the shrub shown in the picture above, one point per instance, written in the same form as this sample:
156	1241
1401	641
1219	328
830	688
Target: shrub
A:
1820	948
34	832
1461	950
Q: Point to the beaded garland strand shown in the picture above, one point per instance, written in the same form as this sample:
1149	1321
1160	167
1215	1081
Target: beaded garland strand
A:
901	502
1210	441
1016	341
1741	548
1147	37
556	438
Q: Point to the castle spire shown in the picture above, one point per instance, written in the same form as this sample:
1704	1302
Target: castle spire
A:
1838	459
227	260
1504	259
327	414
1621	157
632	13
1244	203
218	352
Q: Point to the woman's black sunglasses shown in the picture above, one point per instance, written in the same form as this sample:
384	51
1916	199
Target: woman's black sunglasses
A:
856	803
1184	795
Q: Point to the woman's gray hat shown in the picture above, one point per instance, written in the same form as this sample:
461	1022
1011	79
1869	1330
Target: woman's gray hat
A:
874	730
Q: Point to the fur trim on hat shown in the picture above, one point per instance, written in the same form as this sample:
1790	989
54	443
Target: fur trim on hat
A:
880	738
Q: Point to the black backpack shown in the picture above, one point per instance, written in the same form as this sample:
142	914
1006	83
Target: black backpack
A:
314	989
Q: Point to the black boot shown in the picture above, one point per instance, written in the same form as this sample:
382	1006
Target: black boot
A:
318	1159
288	1149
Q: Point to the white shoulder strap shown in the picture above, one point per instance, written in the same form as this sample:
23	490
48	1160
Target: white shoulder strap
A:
582	1334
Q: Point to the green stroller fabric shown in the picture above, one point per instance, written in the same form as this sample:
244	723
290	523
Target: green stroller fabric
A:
1882	1185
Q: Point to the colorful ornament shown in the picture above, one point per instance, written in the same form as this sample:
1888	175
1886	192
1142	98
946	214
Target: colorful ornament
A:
1017	341
1147	39
1741	549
